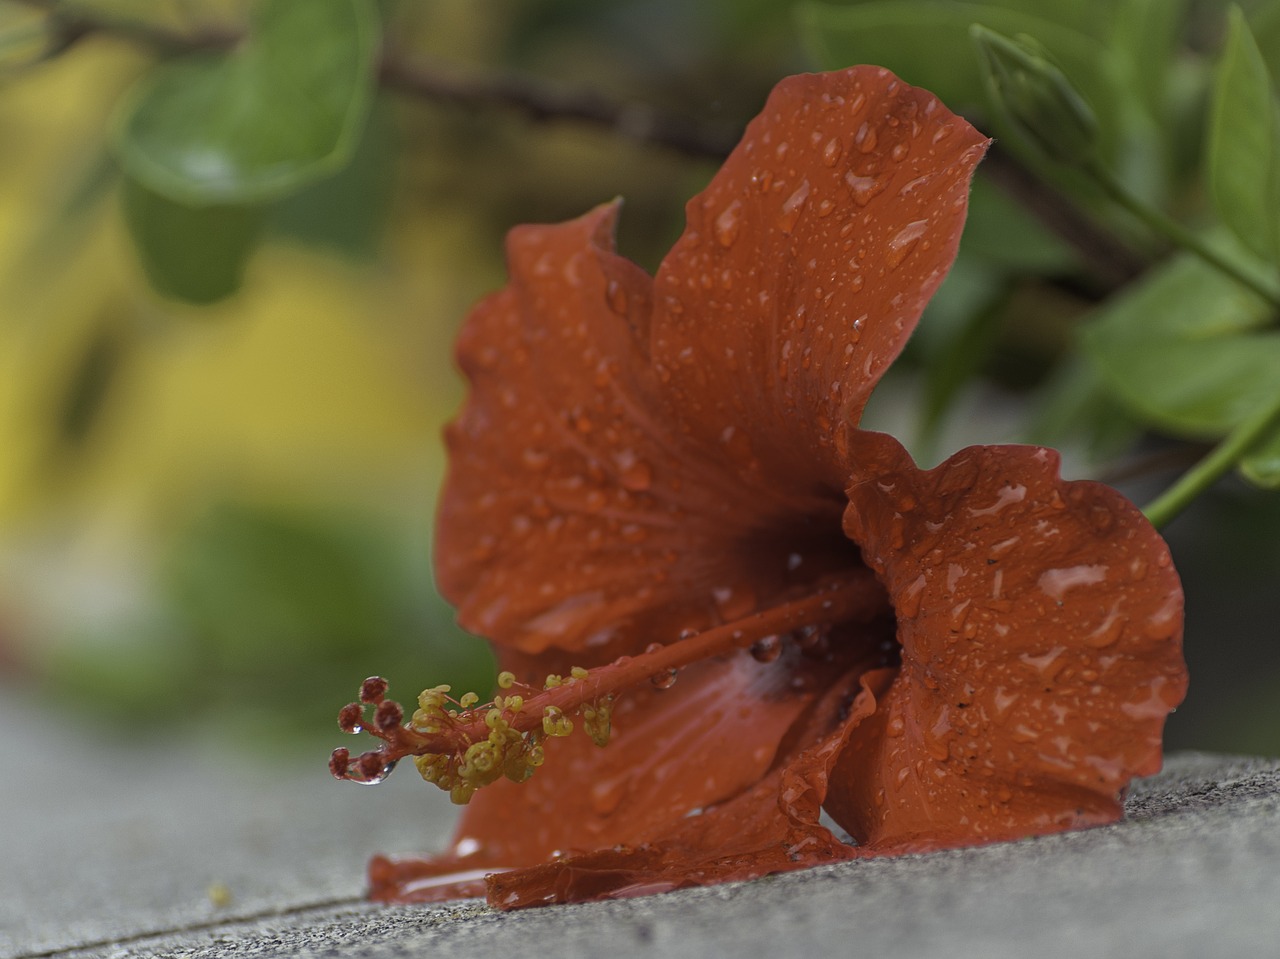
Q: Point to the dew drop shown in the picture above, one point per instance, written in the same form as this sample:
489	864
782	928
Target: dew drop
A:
737	443
864	188
728	223
825	207
865	139
900	151
617	297
831	152
766	649
904	242
733	604
792	207
535	459
637	477
664	680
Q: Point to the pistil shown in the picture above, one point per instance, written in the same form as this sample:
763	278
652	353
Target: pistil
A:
465	748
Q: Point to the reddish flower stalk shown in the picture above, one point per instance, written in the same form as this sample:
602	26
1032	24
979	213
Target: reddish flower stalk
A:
852	601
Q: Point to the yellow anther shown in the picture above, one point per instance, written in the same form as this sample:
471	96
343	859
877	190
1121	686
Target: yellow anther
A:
506	679
553	680
597	720
578	673
556	723
468	700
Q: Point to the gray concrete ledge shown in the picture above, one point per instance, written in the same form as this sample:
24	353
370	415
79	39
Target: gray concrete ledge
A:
103	865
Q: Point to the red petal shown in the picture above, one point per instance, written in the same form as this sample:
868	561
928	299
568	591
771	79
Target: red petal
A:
709	737
577	514
1041	626
772	827
805	266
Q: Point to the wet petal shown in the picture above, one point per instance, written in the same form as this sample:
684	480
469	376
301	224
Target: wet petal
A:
1041	626
805	266
707	738
576	513
771	827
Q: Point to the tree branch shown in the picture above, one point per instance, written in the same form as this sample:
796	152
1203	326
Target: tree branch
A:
524	95
1112	261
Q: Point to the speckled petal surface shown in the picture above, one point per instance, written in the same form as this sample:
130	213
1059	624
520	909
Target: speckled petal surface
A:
805	266
1041	628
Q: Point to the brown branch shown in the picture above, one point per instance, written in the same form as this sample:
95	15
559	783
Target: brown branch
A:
541	102
1111	260
532	98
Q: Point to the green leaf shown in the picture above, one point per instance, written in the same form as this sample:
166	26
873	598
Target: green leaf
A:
1001	232
1145	41
25	35
1244	144
192	253
1076	409
284	110
1262	466
347	211
1187	350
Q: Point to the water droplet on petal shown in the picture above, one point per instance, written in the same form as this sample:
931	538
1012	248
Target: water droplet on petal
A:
766	649
831	152
617	297
900	151
792	207
901	245
728	223
865	139
638	477
864	188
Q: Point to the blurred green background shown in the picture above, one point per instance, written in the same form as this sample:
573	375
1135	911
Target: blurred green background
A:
220	410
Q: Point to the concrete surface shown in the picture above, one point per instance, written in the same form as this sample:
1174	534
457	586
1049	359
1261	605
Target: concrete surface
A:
115	852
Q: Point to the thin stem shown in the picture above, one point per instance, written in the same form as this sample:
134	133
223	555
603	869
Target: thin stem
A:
1221	459
1179	234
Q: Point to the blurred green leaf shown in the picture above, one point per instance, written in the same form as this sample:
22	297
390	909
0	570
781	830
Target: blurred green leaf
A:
347	211
1184	349
959	356
284	110
298	605
1244	144
1000	232
1145	41
1262	466
24	36
192	253
1077	409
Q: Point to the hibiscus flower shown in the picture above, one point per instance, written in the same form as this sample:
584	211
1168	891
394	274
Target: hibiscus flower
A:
662	512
